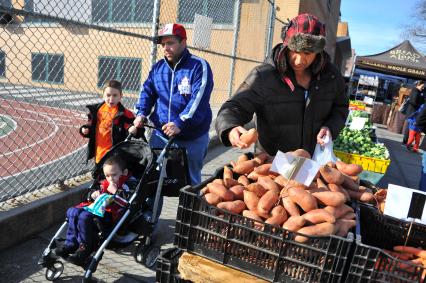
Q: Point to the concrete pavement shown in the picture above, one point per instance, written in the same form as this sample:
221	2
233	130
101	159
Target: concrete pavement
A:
19	263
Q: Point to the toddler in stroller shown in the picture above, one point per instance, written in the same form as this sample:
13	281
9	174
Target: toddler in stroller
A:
151	168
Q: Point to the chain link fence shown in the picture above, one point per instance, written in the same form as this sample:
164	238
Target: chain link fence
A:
55	56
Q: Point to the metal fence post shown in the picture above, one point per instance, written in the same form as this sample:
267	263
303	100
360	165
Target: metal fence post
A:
270	31
155	24
237	13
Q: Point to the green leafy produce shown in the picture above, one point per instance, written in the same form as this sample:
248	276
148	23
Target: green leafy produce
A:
362	114
359	142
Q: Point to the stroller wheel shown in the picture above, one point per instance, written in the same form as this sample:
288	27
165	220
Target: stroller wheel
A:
146	255
54	271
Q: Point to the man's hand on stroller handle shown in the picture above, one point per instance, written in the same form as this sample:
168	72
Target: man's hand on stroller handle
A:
170	129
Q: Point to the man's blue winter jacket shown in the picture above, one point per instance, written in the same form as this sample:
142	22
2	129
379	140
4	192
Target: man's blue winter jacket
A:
180	95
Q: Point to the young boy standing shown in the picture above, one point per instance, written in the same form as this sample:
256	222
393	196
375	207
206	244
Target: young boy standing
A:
108	122
106	204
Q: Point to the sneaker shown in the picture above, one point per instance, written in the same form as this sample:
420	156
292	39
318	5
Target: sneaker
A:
80	256
64	250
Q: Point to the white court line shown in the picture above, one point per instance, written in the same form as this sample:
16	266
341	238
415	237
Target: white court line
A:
44	164
56	128
74	112
36	94
14	125
12	87
68	97
48	123
85	101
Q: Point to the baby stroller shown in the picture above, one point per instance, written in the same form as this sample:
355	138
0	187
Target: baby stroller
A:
160	172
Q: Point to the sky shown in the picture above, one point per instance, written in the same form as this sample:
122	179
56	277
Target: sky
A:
376	25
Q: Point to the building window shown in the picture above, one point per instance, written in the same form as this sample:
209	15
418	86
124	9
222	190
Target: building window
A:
2	64
221	11
47	67
29	7
126	70
122	11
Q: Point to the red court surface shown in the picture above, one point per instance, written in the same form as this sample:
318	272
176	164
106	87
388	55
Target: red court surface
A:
42	134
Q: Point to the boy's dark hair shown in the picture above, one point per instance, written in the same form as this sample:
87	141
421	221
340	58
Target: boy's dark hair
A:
115	160
113	84
420	82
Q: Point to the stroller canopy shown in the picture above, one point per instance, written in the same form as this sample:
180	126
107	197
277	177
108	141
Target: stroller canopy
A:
137	154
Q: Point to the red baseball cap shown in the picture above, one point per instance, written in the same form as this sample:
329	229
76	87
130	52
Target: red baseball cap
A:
171	29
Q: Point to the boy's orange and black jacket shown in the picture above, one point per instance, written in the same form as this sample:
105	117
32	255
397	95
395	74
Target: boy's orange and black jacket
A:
120	124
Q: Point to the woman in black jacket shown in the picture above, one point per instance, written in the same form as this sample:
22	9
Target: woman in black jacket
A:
421	123
298	95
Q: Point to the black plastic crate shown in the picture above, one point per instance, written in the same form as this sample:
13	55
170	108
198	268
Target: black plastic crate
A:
167	264
371	264
271	254
379	230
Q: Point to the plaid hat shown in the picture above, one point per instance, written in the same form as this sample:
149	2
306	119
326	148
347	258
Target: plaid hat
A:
304	33
171	29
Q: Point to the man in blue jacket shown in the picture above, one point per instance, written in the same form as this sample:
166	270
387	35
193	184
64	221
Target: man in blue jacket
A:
178	88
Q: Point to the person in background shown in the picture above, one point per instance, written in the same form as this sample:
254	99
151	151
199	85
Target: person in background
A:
108	122
298	95
178	87
415	100
415	131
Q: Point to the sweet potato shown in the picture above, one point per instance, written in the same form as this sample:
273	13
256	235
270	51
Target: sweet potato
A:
340	210
229	182
294	223
348	169
227	173
243	180
221	191
411	250
253	176
301	153
212	198
252	215
361	196
244	167
349	216
356	179
319	216
343	226
263	169
268	183
331	175
321	229
236	206
337	188
242	157
238	191
349	184
322	184
331	164
284	182
251	200
256	188
267	201
218	181
261	158
330	198
249	137
204	190
304	199
278	216
290	206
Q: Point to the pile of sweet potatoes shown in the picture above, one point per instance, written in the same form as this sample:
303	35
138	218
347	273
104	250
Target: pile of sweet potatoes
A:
409	257
248	187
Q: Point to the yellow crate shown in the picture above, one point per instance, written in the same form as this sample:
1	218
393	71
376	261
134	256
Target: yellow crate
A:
367	163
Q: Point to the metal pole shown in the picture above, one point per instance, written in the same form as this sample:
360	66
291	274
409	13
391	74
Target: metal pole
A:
154	31
270	28
237	14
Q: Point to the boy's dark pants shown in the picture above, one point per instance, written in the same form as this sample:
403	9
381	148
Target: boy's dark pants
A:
81	228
